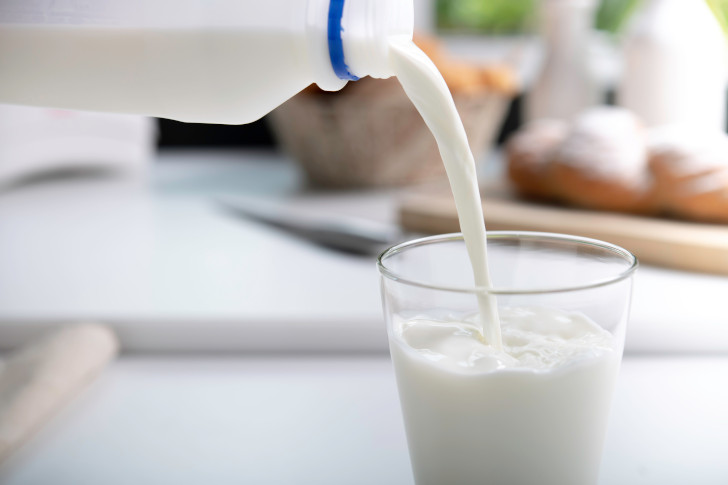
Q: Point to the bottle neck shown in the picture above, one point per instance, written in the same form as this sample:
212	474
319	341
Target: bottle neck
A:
368	28
356	35
566	22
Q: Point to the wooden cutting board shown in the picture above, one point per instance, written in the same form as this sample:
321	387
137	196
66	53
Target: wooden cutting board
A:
663	242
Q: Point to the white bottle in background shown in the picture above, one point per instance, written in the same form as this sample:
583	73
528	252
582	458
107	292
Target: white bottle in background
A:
565	85
228	61
675	65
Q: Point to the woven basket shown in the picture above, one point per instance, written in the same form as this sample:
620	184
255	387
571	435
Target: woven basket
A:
372	135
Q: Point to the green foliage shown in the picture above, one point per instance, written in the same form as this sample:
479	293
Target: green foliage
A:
491	16
720	9
612	15
512	16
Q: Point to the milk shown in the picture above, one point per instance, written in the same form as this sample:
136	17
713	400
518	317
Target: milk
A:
428	91
516	398
194	75
534	412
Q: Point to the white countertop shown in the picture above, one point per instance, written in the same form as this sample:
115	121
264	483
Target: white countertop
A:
336	420
170	271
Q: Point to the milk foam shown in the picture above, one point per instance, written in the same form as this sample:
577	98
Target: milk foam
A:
536	339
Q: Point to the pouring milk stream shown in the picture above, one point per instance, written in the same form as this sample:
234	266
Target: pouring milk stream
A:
427	90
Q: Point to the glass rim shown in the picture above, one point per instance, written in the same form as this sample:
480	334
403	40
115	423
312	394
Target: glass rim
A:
524	235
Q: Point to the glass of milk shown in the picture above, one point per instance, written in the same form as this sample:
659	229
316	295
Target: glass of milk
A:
535	411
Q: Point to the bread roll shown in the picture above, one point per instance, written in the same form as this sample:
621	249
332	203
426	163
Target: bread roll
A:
529	152
602	164
690	168
606	160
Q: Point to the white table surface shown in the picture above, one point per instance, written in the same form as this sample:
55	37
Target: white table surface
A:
170	271
335	420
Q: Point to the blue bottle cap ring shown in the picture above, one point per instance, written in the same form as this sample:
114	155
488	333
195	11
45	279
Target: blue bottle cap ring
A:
336	45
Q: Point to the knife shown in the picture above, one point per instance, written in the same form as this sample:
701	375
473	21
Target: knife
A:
345	234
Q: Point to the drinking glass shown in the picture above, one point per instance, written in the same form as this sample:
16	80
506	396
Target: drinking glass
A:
507	426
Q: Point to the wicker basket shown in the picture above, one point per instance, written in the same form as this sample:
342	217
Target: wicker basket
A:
371	135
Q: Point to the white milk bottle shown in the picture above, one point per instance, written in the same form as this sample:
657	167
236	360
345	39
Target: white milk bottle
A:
675	65
221	61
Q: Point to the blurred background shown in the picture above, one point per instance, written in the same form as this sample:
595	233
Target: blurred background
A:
226	273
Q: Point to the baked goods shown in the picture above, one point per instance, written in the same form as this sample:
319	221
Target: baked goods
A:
602	163
608	161
529	152
691	172
704	198
464	77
